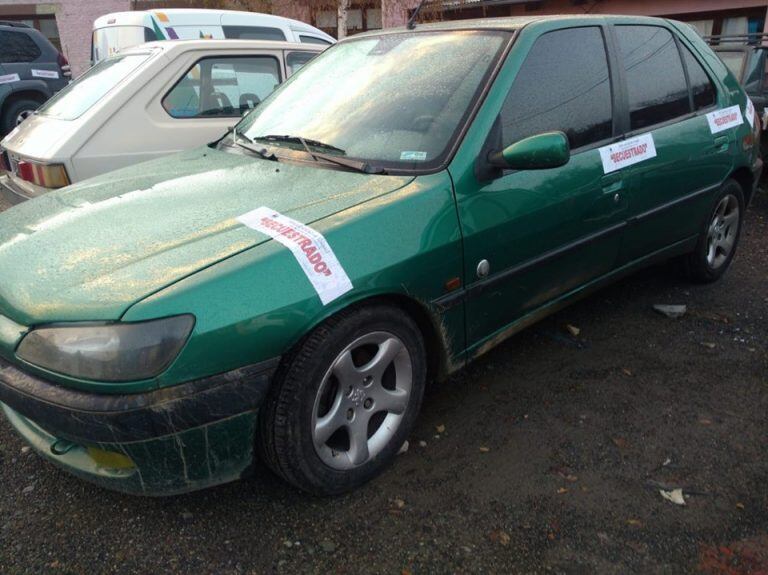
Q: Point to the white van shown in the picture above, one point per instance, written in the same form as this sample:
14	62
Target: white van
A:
121	30
143	103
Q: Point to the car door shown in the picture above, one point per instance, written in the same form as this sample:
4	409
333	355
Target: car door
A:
670	192
531	236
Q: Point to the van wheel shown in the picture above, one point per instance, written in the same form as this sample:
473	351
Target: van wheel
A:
16	112
719	238
345	401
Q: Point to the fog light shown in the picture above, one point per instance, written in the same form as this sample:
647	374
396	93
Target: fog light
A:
110	459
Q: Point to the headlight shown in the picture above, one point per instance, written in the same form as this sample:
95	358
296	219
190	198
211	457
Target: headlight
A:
113	352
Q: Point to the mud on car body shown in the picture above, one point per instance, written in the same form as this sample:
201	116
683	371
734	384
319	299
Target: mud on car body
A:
407	201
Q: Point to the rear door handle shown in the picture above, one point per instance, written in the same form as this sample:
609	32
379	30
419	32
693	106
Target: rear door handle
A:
721	144
613	183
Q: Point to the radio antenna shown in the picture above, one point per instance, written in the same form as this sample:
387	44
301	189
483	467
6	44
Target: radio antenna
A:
412	20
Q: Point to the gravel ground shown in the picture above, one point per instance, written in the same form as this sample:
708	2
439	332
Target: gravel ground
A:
546	456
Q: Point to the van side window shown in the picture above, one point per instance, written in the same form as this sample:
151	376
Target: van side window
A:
17	47
253	33
295	61
704	92
655	79
223	87
313	40
563	84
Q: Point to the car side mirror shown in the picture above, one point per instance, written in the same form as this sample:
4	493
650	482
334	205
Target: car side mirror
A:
539	152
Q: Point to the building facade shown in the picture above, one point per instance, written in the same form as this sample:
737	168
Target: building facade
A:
67	23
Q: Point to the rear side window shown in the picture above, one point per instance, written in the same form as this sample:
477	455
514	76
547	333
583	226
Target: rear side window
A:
17	47
312	40
77	98
223	87
702	88
295	61
564	84
656	82
253	33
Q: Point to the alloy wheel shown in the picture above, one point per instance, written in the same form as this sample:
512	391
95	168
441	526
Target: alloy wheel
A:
362	400
722	231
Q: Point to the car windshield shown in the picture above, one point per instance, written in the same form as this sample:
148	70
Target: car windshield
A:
734	60
83	93
395	100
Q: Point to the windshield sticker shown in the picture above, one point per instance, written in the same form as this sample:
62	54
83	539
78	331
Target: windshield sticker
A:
9	78
627	153
721	120
750	113
53	74
413	156
308	246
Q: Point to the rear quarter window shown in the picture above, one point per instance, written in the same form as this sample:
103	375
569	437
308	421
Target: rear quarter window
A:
17	47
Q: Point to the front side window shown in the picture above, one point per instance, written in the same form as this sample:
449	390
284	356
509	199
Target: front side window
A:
223	87
395	100
17	47
564	85
77	98
702	88
109	41
656	82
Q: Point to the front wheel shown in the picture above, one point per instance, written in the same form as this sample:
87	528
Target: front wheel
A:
720	237
346	400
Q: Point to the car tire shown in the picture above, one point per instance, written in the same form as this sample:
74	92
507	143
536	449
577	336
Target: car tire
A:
15	110
345	400
719	238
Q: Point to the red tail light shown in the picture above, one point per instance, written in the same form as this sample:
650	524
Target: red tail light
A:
64	64
45	175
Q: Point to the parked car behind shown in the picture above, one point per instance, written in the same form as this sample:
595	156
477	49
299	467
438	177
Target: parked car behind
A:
745	56
115	32
143	103
31	71
401	206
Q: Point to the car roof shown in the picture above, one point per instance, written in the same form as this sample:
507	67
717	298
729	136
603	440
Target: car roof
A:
515	22
191	45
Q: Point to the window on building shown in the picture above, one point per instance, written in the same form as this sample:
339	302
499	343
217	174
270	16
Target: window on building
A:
655	79
563	84
223	87
17	47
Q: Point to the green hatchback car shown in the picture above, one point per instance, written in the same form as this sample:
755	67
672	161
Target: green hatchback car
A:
409	200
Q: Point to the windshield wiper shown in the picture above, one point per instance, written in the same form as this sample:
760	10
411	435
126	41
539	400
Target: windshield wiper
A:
262	152
302	141
357	165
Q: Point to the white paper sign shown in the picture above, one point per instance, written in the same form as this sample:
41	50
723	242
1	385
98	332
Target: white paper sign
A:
721	120
9	78
750	113
53	74
308	246
627	153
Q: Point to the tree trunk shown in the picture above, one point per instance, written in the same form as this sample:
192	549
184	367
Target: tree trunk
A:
342	19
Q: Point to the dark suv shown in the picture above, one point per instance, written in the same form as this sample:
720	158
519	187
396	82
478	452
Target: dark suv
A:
31	71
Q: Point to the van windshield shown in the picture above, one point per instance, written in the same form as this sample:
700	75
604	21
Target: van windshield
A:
395	100
77	98
108	41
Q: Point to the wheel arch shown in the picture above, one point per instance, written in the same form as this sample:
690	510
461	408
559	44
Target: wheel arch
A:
22	95
745	179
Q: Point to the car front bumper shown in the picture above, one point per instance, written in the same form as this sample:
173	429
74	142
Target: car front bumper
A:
163	442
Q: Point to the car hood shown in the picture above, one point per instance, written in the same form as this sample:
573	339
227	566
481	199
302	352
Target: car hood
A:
89	251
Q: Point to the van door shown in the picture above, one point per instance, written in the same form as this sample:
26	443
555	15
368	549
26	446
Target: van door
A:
671	192
544	233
